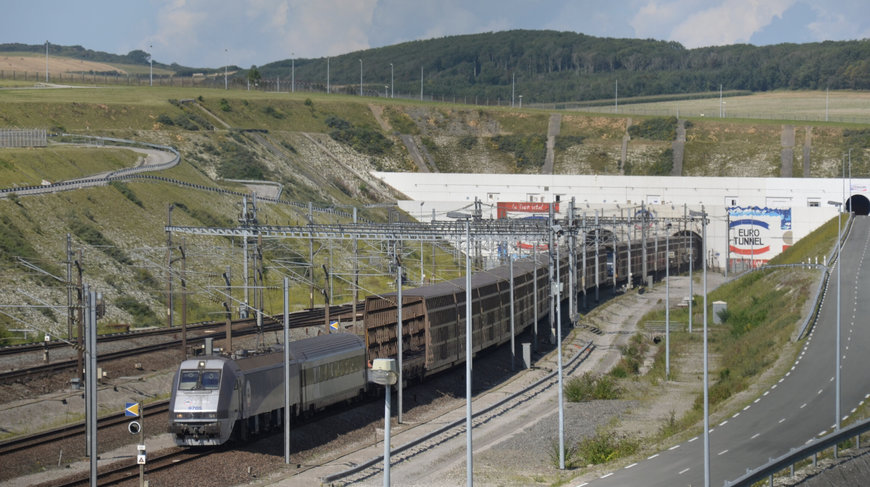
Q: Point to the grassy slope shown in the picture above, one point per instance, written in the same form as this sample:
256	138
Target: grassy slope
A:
456	136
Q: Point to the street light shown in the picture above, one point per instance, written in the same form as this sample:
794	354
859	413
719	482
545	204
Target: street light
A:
392	90
839	205
292	72
703	215
383	372
46	61
151	63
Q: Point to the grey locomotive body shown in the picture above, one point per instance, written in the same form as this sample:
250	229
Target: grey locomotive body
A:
215	396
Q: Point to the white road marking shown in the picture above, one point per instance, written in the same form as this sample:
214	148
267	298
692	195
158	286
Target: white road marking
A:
629	466
781	420
673	447
756	435
606	475
723	452
803	405
683	471
652	456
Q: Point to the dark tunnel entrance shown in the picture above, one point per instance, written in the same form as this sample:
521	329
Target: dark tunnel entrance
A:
859	204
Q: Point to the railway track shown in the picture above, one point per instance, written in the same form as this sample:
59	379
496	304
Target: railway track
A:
120	472
240	328
156	409
451	430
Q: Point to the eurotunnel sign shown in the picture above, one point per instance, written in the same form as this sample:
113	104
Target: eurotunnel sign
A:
759	233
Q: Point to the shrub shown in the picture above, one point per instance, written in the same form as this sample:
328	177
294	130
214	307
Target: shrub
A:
93	237
362	139
604	447
127	192
270	110
225	105
164	119
657	128
530	151
142	314
572	460
467	142
565	141
588	387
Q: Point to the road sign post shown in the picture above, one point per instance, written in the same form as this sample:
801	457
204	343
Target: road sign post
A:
134	409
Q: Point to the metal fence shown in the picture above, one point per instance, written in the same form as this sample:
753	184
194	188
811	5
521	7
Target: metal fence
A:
23	138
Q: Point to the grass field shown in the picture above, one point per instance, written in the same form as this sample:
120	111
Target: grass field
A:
842	106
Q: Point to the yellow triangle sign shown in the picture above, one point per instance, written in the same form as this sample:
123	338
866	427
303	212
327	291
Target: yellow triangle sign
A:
132	409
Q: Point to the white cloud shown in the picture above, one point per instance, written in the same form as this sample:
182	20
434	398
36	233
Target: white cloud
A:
732	21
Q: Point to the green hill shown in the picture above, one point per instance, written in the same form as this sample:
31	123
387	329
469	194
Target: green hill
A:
321	149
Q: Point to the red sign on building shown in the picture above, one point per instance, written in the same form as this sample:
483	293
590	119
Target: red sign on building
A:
503	207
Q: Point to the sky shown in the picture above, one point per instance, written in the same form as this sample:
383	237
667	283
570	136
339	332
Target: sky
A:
212	33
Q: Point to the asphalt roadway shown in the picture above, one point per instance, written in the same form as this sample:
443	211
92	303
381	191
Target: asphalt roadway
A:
798	408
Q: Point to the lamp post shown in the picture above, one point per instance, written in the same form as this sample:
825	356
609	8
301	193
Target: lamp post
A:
703	215
292	72
392	90
383	372
46	61
151	65
360	77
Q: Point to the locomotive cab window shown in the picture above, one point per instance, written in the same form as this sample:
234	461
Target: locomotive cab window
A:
196	379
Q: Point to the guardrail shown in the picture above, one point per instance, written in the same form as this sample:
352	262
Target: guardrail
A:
774	465
135	173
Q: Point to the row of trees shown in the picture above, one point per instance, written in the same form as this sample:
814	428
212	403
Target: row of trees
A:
549	66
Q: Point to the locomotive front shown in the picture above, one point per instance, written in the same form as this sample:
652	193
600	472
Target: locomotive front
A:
204	405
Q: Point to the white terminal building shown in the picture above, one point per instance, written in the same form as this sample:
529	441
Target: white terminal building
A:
751	220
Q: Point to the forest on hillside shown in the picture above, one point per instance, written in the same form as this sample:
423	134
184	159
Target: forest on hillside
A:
550	66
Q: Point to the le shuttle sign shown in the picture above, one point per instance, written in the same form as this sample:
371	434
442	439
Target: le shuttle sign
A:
759	232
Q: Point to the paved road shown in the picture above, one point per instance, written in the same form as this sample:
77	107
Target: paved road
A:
794	410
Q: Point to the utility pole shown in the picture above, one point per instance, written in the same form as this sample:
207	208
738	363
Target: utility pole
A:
183	300
169	266
80	320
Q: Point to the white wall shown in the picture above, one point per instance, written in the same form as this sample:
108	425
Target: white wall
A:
664	196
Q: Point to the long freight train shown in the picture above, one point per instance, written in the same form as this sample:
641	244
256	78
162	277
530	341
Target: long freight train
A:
214	396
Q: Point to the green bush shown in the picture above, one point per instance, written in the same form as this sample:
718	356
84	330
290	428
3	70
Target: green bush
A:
127	192
588	387
604	447
165	119
657	128
93	237
530	151
225	105
142	314
572	459
237	162
467	142
565	141
362	139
